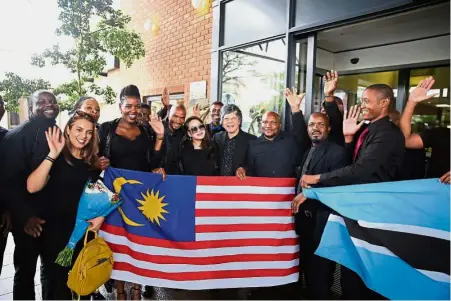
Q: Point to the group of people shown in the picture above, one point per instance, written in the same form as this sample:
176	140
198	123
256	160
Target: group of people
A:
44	169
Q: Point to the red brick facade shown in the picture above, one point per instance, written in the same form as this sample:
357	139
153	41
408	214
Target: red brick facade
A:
177	55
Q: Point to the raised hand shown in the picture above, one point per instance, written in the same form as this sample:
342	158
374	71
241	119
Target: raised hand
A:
330	82
294	99
165	97
196	110
55	141
157	125
350	124
419	94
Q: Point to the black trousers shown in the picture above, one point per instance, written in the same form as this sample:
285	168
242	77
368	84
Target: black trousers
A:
53	276
353	287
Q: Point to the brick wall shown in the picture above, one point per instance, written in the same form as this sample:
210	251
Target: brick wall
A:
177	55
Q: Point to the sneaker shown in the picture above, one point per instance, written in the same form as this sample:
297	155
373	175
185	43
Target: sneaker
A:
148	292
109	285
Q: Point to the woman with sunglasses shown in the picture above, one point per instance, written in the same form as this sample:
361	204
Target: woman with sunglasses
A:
130	145
59	182
198	152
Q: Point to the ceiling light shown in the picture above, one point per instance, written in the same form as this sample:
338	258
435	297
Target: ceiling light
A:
443	106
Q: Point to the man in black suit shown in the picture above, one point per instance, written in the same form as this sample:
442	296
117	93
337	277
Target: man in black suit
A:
233	143
377	156
311	216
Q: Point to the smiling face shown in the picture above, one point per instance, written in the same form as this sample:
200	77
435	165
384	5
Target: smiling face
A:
216	113
130	109
374	105
270	125
177	119
91	107
196	130
45	105
318	127
231	123
80	133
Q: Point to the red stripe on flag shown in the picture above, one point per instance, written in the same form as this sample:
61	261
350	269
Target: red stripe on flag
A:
190	276
160	259
244	227
251	181
250	197
243	212
196	245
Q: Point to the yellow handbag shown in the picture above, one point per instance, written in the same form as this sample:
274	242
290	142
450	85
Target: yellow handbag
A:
92	268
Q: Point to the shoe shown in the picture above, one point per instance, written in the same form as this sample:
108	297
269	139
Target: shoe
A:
148	292
109	285
97	296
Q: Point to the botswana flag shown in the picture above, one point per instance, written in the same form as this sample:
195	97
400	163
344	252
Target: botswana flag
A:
395	235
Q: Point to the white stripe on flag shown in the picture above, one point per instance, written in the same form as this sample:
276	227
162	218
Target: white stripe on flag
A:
206	284
232	220
424	231
245	235
121	240
336	219
244	189
181	268
242	205
437	276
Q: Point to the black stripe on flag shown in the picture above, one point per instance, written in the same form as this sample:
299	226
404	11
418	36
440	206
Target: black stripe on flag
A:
419	251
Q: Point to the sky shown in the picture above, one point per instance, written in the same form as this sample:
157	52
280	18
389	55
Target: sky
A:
27	27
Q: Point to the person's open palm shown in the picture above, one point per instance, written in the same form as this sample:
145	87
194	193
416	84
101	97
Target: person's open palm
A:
165	97
419	94
330	82
350	123
157	125
55	141
293	98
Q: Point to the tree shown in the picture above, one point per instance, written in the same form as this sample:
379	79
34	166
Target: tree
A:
109	35
234	61
13	87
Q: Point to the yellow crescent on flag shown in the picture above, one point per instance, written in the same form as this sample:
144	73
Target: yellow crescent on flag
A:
117	184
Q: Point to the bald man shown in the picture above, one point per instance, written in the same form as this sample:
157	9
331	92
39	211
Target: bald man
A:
275	153
311	215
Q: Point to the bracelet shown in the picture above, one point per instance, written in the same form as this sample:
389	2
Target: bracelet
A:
160	138
50	159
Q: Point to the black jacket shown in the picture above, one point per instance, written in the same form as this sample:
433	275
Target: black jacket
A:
22	150
336	123
212	130
379	158
241	148
108	129
312	215
172	142
280	157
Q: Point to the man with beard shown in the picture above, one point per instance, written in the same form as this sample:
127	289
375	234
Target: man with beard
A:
215	114
233	142
311	217
22	150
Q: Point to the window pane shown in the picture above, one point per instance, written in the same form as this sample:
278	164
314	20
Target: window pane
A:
310	13
253	78
250	20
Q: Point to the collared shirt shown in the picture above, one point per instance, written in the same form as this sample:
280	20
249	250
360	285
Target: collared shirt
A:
276	159
227	160
378	160
213	129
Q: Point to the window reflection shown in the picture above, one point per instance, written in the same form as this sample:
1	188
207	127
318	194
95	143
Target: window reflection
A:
253	78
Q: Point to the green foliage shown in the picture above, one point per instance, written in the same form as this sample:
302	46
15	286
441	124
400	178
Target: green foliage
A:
86	60
14	87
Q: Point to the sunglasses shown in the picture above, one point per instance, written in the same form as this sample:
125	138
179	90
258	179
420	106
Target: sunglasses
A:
195	129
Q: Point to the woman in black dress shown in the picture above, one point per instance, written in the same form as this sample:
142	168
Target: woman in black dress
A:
198	152
59	182
130	145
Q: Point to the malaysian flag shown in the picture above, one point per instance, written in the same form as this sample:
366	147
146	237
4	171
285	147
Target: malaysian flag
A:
202	232
395	236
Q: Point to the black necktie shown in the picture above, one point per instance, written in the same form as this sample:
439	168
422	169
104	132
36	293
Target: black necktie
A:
306	165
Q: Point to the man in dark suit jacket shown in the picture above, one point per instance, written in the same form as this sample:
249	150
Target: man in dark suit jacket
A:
233	143
377	153
311	216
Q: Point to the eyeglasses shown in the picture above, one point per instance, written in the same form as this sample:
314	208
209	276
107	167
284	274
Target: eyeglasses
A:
195	129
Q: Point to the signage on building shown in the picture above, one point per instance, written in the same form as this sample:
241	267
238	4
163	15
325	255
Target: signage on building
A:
198	92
